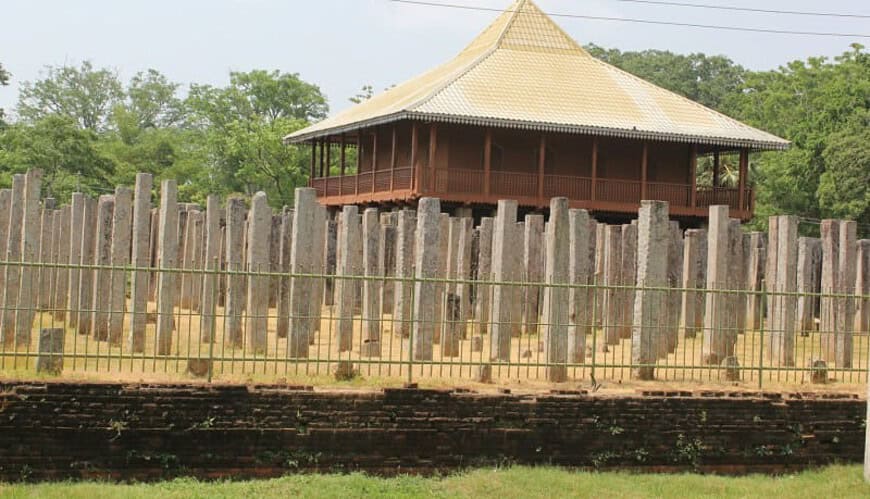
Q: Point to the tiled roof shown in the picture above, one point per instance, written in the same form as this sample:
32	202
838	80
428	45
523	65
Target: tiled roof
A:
523	71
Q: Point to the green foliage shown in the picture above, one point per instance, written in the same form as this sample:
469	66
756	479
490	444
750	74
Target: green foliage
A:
4	80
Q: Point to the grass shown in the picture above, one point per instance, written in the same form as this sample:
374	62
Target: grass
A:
835	481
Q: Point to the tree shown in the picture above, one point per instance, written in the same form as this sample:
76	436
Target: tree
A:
844	188
153	99
83	94
4	80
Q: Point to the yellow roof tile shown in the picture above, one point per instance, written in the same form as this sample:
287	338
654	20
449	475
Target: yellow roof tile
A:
523	71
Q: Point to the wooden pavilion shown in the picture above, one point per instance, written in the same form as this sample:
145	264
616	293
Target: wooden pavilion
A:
525	113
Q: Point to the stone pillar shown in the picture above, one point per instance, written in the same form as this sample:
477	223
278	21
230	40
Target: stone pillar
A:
5	212
285	249
717	338
190	279
463	273
612	309
516	291
581	299
809	266
46	237
77	231
556	310
404	270
62	276
155	230
652	253
211	263
330	256
102	277
387	260
259	226
533	266
84	288
443	266
235	249
736	279
50	348
501	294
12	279
371	312
450	305
862	287
694	278
780	345
675	280
425	267
599	273
754	278
141	258
484	274
770	267
120	253
274	258
628	276
30	254
167	258
302	256
349	239
319	262
845	307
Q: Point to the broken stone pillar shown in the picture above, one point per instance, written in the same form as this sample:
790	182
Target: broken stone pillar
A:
533	266
285	248
50	348
166	259
211	263
781	337
862	287
403	294
330	257
484	274
102	276
349	265
694	280
653	236
259	226
191	279
628	276
502	260
84	288
612	309
556	309
754	279
581	299
12	279
303	256
675	279
30	254
46	237
736	279
120	254
141	258
274	258
425	267
809	268
387	259
155	229
371	311
235	249
717	337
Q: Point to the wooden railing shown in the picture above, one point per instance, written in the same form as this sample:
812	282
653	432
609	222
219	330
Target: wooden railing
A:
463	185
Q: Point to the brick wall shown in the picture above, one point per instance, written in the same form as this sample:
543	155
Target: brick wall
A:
55	430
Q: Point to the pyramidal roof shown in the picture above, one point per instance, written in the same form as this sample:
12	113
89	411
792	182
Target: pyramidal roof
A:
524	71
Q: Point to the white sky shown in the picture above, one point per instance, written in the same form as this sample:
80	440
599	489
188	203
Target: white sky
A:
341	45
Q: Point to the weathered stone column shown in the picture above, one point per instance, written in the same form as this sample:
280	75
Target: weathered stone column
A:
612	309
533	266
463	272
121	232
736	279
717	338
780	346
30	254
211	263
809	267
319	262
141	258
484	274
302	302
330	259
754	279
349	239
845	307
102	277
652	253
62	276
771	267
425	267
502	240
675	279
516	275
443	267
85	286
5	212
694	277
235	249
46	238
387	260
581	299
50	348
12	280
599	273
166	256
77	231
285	250
190	279
371	312
628	276
259	226
275	258
404	270
450	305
556	310
862	286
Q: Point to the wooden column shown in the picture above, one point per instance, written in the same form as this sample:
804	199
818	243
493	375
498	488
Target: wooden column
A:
358	160
322	147
594	193
643	170
744	171
374	158
313	161
542	158
328	156
487	161
693	174
415	145
716	169
393	159
433	143
342	155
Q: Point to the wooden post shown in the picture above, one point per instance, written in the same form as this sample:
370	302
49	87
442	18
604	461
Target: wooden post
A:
693	174
542	157
643	170
744	171
415	144
716	168
313	161
393	159
374	158
328	156
487	161
322	144
433	142
358	161
342	155
594	168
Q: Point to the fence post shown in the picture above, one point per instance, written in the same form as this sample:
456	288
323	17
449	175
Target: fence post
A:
761	332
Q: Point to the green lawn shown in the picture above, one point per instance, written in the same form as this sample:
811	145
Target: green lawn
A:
836	481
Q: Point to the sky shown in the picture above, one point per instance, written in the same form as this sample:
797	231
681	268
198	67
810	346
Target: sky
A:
342	45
